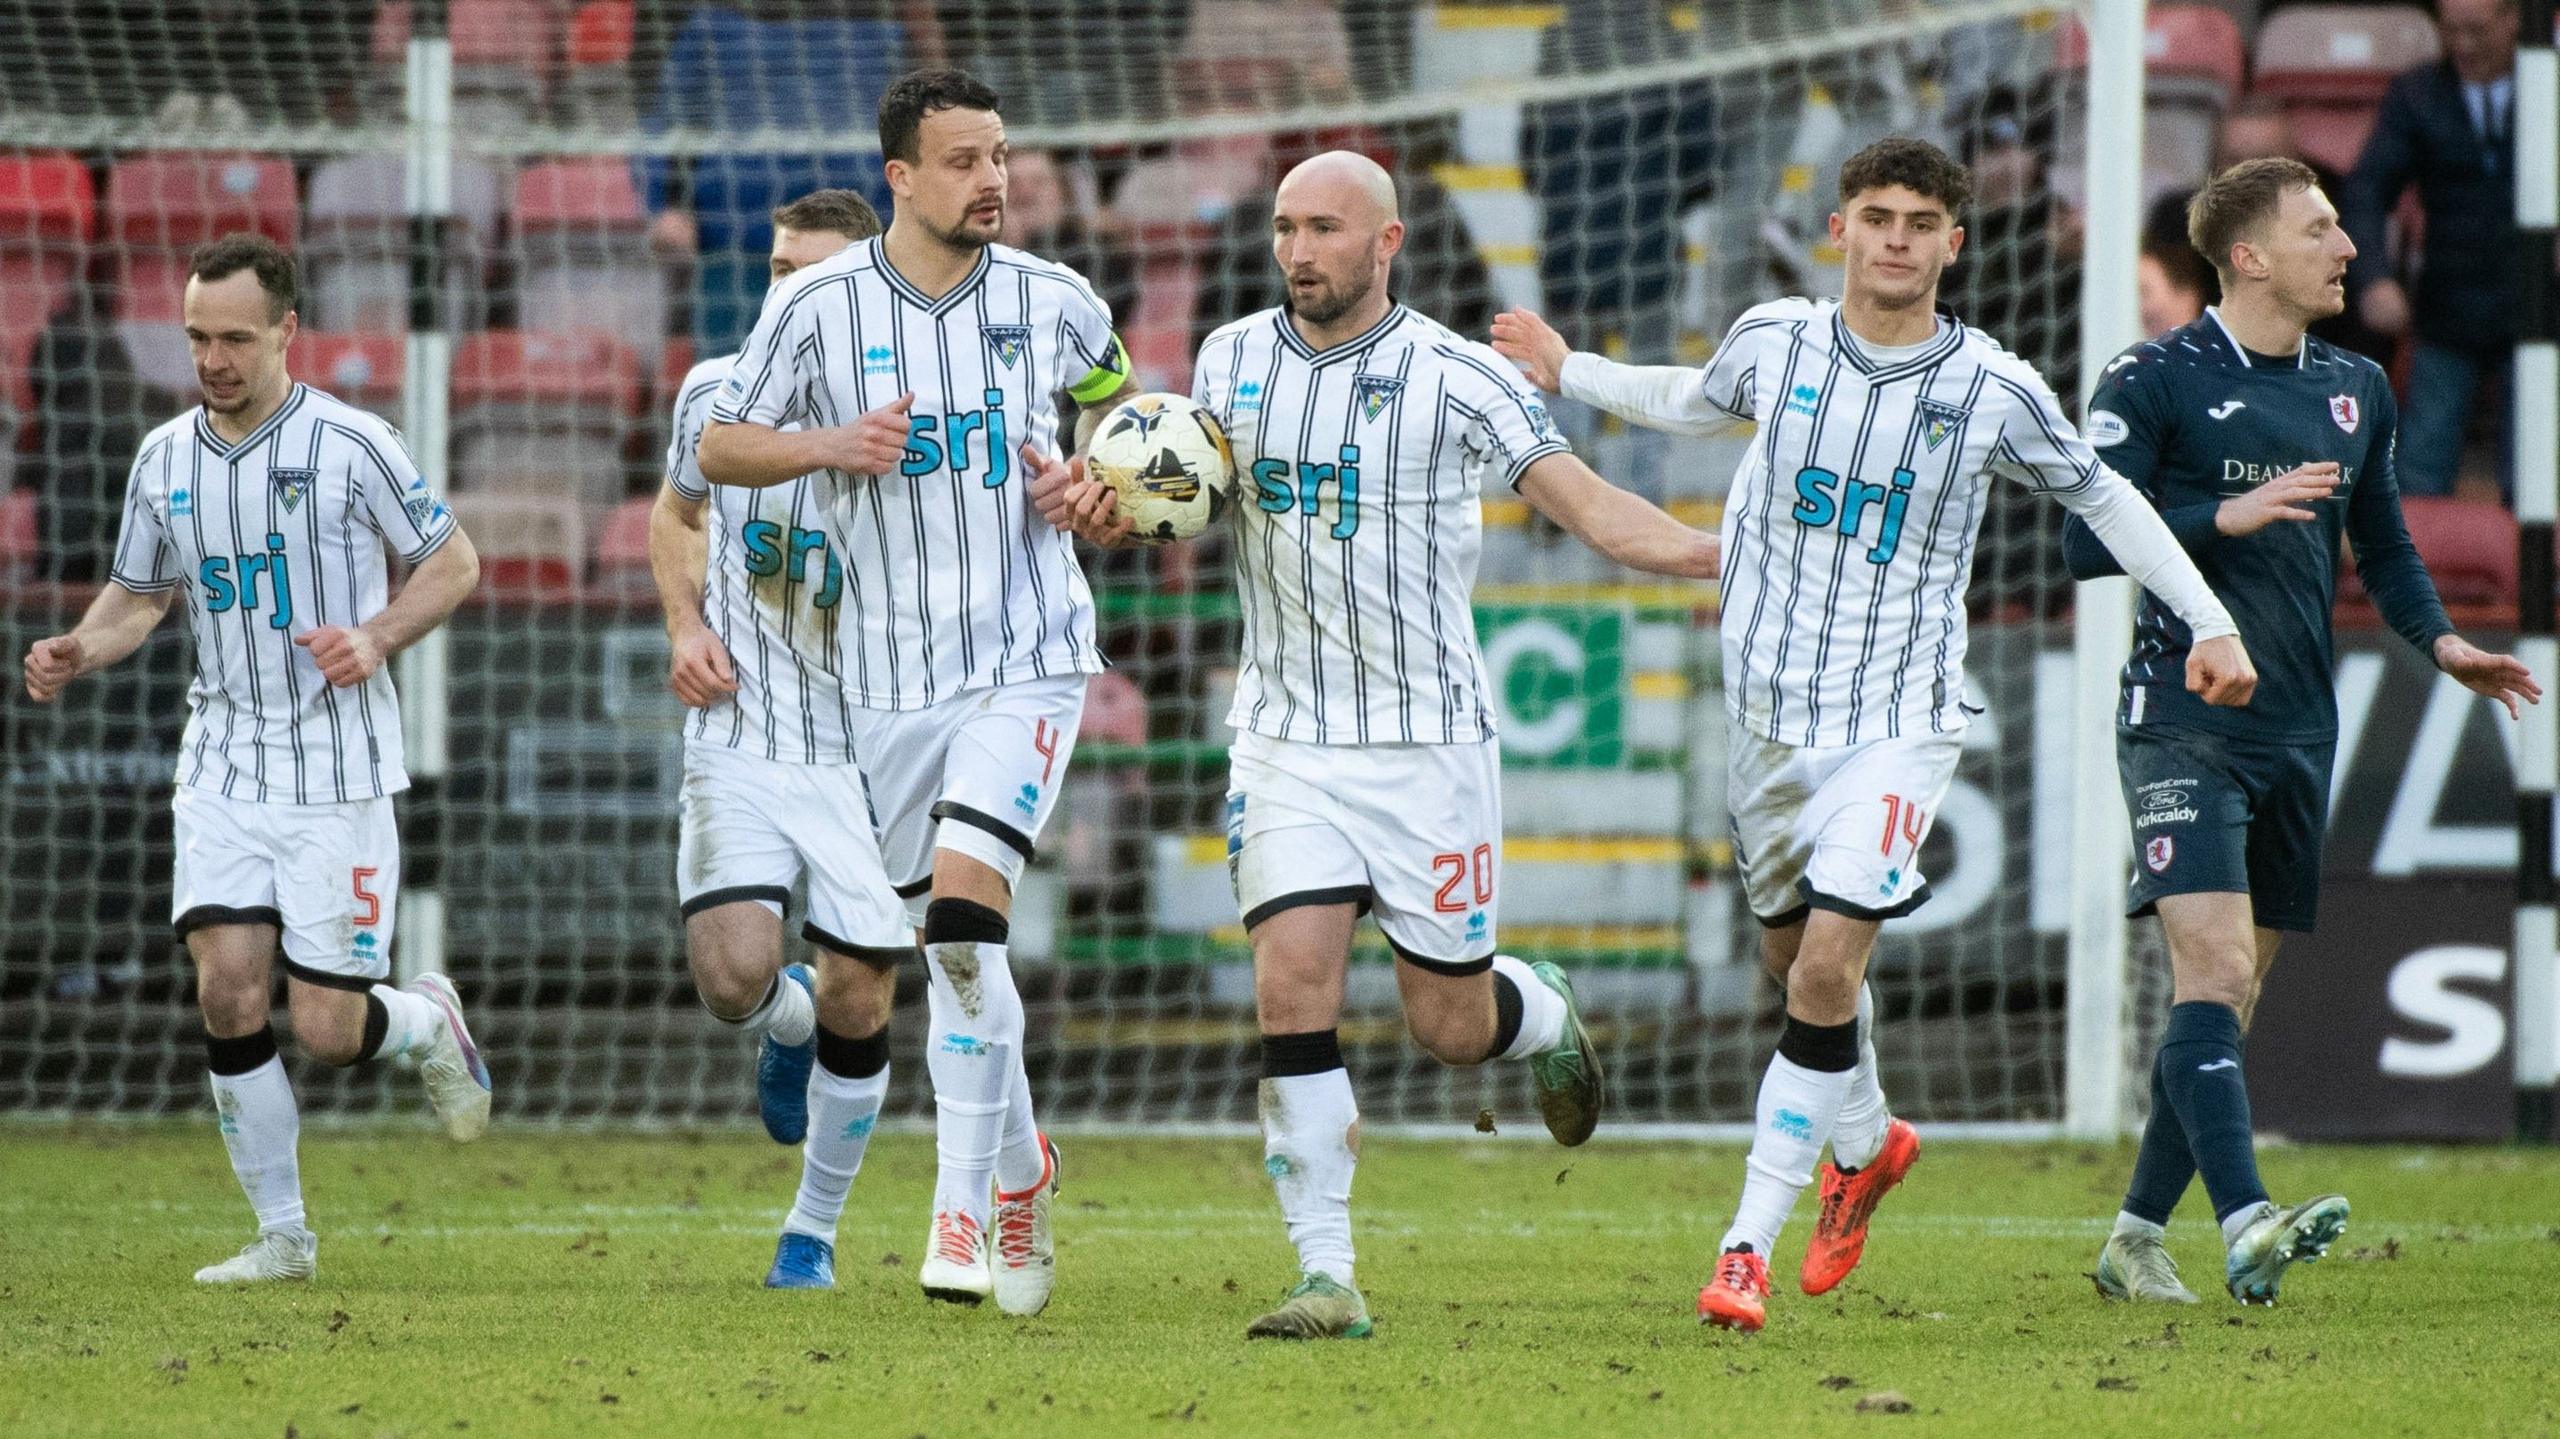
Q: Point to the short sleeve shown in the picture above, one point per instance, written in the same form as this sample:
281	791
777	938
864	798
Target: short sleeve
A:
144	561
1731	378
2038	447
2128	424
393	496
1511	414
1096	354
769	381
684	440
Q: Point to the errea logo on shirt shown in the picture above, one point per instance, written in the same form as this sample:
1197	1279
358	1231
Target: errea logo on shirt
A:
1802	400
879	360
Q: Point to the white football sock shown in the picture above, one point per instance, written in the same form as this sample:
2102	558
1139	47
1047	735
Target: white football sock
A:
261	1126
1859	1132
2134	1226
785	1015
1019	1161
841	1115
1541	1009
972	1053
410	1022
1794	1117
1310	1145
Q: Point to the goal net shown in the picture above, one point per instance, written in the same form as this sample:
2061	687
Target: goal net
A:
1640	173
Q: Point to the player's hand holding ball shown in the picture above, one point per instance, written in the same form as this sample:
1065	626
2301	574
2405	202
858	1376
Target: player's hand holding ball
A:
1164	459
51	664
2288	496
1082	507
2219	670
698	668
347	657
1529	341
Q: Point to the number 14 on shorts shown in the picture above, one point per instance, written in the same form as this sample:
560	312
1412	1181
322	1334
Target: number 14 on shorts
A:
1905	821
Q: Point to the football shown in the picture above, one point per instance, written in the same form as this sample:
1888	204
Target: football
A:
1166	457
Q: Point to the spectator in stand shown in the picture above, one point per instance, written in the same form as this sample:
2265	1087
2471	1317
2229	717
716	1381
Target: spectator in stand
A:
2175	285
2449	128
1612	174
2018	277
765	65
1051	209
93	412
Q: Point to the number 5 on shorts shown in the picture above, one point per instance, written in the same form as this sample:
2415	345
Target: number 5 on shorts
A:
372	912
1454	868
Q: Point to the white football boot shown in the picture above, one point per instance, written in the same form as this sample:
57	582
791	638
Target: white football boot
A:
274	1254
1026	1256
956	1268
457	1079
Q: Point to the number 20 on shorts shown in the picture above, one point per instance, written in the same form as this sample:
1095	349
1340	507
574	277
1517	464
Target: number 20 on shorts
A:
1455	869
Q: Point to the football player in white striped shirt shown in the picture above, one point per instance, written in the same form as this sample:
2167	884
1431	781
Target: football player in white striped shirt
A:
922	369
1365	773
753	591
268	507
1848	537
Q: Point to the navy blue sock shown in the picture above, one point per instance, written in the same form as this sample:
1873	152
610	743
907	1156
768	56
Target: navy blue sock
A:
2200	1068
2165	1165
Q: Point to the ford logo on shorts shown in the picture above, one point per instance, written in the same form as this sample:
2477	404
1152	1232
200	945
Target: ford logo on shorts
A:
2164	799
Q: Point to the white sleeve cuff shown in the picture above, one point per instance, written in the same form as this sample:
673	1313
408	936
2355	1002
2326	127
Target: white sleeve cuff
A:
2134	533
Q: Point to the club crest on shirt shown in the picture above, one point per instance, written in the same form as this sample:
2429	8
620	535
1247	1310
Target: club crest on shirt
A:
1938	419
1373	393
2157	854
1007	341
292	485
2342	408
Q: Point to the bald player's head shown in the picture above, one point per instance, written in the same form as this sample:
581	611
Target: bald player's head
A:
1334	228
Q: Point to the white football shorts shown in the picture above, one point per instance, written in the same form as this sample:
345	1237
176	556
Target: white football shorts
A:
753	825
1411	832
327	875
1837	828
977	774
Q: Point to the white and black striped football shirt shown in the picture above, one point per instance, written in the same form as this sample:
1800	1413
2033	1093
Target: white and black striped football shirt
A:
1849	531
952	581
773	591
275	536
1359	476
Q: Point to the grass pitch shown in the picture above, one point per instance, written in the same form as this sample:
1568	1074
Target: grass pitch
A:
608	1284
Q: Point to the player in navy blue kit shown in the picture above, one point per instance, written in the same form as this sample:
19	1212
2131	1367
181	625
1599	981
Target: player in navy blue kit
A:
2261	446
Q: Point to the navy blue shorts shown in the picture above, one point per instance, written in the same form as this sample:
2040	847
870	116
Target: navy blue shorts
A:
2217	815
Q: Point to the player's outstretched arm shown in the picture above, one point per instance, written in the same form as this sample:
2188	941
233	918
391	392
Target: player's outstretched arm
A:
2501	677
698	667
1626	527
1670	398
756	457
114	626
349	655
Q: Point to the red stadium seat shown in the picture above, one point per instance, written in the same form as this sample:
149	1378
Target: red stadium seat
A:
33	288
2194	42
2470	551
583	196
46	200
178	201
362	369
151	292
544	415
600	33
19	547
530	545
519	33
2329	64
622	550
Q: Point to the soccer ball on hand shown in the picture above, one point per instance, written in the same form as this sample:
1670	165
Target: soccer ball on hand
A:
1166	459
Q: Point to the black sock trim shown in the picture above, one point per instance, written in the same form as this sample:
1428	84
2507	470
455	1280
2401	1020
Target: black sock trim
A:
1315	1052
1454	968
377	1026
963	921
1506	1015
1784	918
228	1057
853	1058
1822	1048
912	888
